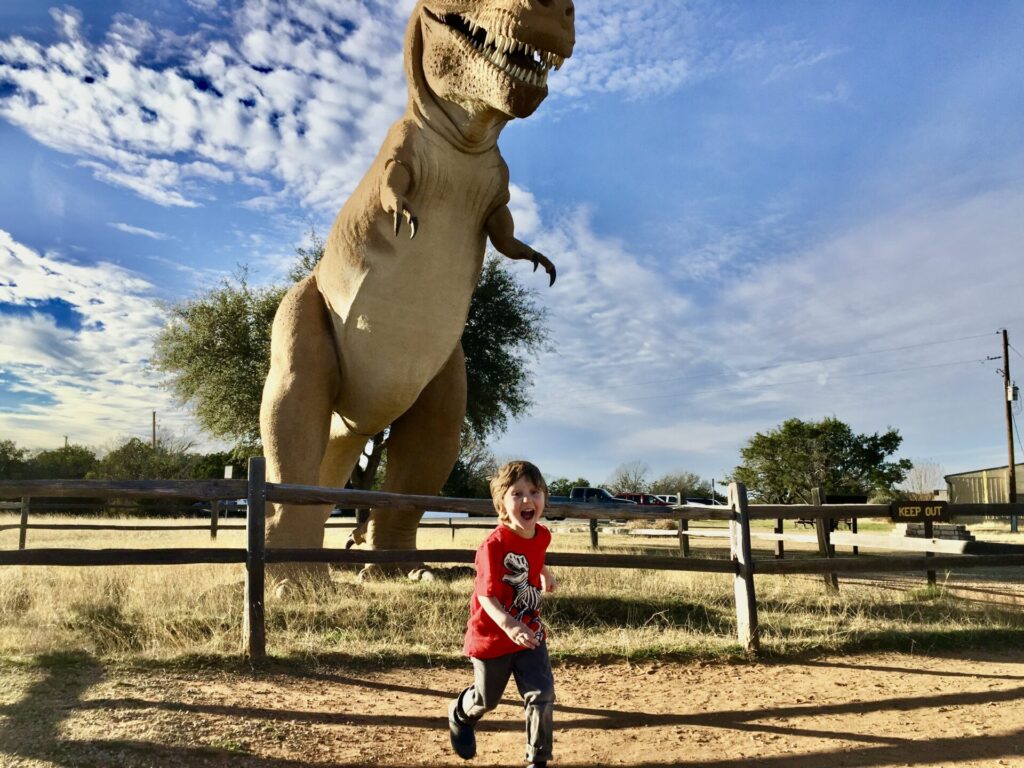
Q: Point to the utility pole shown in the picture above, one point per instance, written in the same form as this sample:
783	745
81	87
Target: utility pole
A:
1011	475
154	430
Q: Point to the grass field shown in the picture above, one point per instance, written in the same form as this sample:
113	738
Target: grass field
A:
167	612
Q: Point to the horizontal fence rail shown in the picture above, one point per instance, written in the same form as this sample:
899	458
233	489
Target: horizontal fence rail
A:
929	555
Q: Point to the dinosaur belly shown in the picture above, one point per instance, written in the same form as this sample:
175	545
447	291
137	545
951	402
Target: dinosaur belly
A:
399	305
403	324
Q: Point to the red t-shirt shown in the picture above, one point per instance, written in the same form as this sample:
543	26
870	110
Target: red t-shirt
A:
508	568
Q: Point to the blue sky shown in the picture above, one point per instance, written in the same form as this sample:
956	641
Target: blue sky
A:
758	211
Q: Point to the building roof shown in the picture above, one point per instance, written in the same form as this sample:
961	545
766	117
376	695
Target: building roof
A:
1018	467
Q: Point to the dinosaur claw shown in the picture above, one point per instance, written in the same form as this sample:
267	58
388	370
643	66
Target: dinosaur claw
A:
536	263
414	224
398	223
552	277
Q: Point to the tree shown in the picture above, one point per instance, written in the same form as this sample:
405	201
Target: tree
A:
471	475
683	482
504	325
137	459
72	462
630	477
13	465
562	486
215	351
784	464
923	479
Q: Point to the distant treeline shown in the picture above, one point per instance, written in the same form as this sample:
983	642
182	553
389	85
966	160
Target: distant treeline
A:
132	459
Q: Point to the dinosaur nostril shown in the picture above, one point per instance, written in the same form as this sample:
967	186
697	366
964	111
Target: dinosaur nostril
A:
569	10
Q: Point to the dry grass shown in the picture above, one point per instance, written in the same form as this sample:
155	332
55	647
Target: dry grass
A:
166	612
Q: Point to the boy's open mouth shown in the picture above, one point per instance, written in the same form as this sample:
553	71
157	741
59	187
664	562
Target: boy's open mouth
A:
528	514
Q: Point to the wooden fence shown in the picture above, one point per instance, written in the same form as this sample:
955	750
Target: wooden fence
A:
26	507
739	514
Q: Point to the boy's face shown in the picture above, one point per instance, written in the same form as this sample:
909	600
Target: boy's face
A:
524	503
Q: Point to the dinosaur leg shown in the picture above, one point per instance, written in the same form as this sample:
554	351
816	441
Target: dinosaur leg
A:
295	418
422	449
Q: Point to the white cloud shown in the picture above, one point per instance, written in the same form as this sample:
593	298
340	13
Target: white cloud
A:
884	324
132	230
93	372
287	87
167	117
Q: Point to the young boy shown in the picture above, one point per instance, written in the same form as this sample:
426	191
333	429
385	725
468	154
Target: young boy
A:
504	634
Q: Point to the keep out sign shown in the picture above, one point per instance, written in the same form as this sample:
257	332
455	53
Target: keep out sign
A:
919	511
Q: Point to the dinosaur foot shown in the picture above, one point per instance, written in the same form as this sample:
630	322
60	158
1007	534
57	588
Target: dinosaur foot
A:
384	571
297	579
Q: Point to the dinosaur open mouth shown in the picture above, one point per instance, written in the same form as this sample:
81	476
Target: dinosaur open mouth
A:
515	58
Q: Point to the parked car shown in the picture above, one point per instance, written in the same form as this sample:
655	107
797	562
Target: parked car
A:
644	499
696	501
668	498
228	507
596	496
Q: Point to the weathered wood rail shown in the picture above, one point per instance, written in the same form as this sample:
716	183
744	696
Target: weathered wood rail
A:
740	562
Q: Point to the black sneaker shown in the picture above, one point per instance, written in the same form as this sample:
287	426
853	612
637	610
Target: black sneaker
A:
462	735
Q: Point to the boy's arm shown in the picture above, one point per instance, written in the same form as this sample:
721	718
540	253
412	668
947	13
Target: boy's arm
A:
518	632
547	580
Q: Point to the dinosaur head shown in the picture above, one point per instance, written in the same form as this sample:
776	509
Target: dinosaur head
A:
489	54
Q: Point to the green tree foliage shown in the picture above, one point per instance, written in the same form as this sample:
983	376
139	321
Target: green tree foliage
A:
504	326
470	477
215	351
72	462
784	464
13	464
562	486
137	459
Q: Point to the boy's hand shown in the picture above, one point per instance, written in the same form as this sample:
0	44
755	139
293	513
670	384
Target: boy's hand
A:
520	634
547	580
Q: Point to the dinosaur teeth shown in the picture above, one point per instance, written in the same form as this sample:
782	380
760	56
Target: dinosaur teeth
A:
498	46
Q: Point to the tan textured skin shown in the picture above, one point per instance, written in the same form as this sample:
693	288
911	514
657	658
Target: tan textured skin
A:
372	337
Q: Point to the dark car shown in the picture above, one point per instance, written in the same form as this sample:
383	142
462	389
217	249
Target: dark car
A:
644	499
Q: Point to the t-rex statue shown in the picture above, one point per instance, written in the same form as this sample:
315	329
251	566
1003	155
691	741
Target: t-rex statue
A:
371	338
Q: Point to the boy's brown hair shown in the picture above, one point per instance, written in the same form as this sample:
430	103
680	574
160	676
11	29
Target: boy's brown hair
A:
507	476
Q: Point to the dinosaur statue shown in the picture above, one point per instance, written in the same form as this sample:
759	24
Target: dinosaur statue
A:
371	338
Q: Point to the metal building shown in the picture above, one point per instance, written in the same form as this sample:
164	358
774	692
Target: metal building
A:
983	486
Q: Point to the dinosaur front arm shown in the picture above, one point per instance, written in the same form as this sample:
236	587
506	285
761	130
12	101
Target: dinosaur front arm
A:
394	186
501	230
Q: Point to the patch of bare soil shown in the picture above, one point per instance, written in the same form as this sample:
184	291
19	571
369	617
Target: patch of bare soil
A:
865	710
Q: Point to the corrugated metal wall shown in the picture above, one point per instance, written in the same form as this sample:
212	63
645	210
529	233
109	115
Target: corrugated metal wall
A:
986	486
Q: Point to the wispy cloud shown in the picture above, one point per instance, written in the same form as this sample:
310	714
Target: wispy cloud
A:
264	100
141	231
89	381
885	323
170	117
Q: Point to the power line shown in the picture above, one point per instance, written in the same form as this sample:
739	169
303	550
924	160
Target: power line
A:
1015	350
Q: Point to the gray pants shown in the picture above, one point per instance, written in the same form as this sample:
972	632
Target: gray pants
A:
531	669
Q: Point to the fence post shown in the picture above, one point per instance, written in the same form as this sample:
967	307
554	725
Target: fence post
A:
23	530
823	526
929	532
739	539
214	517
593	533
684	540
780	547
254	636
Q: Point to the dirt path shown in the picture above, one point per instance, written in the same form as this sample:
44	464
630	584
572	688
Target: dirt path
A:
867	710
